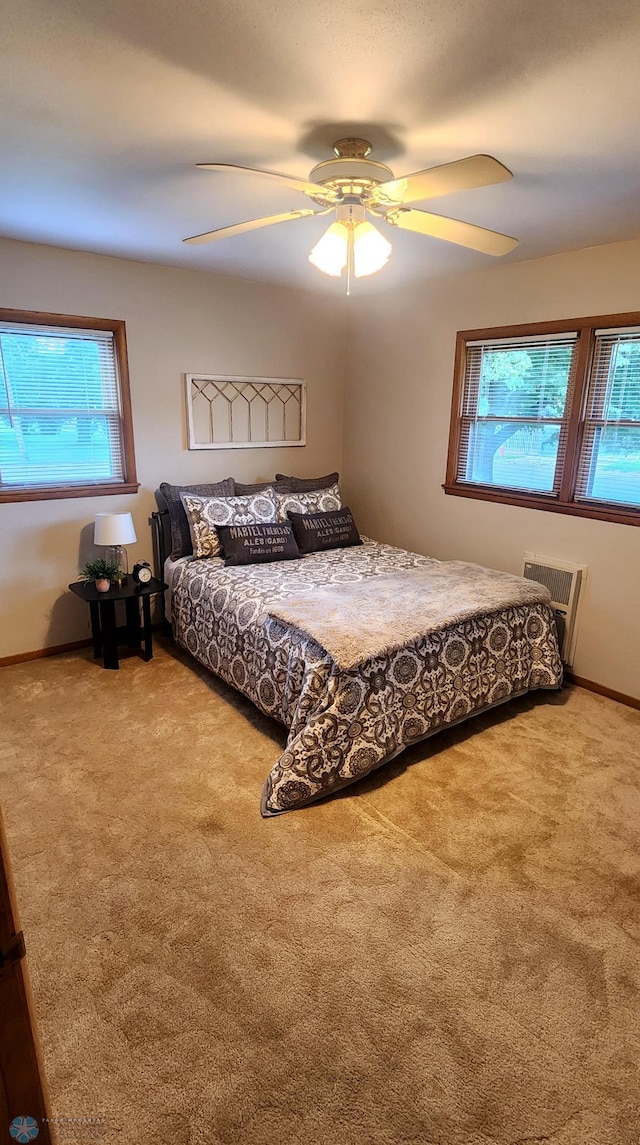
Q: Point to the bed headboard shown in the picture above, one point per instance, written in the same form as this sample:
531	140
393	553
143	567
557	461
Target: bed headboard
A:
161	534
161	543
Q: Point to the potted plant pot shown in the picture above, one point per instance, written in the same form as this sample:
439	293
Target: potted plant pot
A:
102	584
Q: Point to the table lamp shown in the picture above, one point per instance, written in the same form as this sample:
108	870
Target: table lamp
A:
115	530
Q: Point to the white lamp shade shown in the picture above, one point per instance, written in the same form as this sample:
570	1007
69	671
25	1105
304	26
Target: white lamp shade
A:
371	250
330	252
114	529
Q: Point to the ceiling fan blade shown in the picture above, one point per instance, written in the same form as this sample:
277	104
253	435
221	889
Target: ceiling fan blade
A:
452	230
461	175
289	181
252	225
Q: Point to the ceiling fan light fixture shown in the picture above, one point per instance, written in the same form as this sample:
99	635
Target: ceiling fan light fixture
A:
371	250
330	252
350	242
352	185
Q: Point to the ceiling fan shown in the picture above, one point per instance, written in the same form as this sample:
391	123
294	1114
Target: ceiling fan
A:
353	186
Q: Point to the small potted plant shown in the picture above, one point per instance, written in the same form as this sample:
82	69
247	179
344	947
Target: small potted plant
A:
100	573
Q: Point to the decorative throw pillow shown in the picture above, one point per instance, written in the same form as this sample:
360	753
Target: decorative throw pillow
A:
247	490
315	501
305	484
180	536
257	544
206	513
316	532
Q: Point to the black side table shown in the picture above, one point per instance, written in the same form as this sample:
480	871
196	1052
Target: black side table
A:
106	634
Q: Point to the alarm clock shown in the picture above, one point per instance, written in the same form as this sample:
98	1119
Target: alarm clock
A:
141	572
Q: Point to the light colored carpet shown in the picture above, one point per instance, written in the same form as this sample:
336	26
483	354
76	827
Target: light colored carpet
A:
446	954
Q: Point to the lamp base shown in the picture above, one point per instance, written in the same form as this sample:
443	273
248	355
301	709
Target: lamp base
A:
117	555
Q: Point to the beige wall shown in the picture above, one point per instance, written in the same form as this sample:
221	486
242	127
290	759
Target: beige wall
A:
177	321
399	373
400	369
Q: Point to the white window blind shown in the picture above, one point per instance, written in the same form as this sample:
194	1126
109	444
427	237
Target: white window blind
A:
515	400
609	462
60	407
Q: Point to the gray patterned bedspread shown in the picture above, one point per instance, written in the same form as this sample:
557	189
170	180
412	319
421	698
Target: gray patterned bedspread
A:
345	721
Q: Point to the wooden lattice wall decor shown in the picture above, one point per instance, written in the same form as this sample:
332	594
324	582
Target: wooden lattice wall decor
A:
242	413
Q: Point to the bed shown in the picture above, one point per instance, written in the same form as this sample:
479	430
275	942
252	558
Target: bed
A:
360	651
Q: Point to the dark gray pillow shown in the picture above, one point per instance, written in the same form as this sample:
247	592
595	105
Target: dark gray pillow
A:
180	536
316	532
257	544
305	484
242	490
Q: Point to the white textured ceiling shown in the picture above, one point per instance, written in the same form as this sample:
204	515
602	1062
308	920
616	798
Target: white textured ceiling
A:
107	106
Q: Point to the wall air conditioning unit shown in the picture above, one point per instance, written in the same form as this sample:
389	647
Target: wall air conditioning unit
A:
564	581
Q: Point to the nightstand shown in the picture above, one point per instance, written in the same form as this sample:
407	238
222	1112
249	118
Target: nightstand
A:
104	630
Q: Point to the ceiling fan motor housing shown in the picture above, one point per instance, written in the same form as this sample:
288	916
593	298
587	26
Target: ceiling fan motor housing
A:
350	170
351	173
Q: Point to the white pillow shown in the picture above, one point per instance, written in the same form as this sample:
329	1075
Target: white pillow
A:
315	501
204	513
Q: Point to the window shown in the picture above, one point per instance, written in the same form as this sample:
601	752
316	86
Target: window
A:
65	410
548	416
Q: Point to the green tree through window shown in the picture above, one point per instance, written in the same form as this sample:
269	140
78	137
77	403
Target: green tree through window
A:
529	385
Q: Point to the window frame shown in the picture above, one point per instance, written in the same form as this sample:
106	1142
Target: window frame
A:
564	501
130	483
